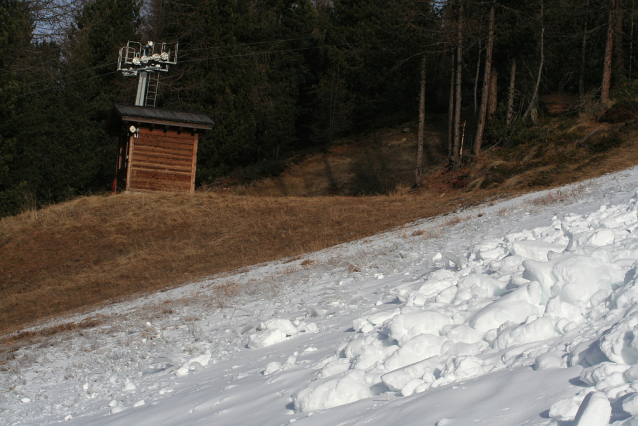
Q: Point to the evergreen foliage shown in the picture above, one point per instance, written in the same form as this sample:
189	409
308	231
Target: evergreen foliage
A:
277	76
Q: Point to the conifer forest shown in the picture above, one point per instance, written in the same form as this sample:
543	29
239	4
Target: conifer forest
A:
282	76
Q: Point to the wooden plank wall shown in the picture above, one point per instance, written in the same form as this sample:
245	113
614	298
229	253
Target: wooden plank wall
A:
162	161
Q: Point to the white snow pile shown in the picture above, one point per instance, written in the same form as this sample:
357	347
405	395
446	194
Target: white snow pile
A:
273	331
495	304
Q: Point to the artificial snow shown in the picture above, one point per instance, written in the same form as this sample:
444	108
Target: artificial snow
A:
528	317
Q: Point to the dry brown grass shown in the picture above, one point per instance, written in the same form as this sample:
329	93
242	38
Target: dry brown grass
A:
82	253
563	151
13	341
557	196
94	250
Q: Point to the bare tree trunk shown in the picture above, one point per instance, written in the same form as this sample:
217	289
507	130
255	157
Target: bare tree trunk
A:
510	96
476	79
418	172
459	75
480	128
619	72
492	99
532	104
604	91
331	108
631	38
462	138
451	111
583	59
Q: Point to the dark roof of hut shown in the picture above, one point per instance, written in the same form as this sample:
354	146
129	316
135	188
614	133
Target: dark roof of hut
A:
162	116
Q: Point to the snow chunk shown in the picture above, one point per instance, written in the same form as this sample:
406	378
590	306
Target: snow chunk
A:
516	306
564	410
464	367
411	387
587	354
540	329
464	334
334	367
602	237
381	317
310	327
283	325
490	250
534	249
630	404
358	324
511	264
631	374
549	360
396	380
574	277
118	409
266	338
557	308
406	326
595	410
332	393
371	354
414	350
490	286
596	374
620	343
272	367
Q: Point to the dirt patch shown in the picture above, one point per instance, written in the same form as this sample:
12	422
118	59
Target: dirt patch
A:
619	113
556	104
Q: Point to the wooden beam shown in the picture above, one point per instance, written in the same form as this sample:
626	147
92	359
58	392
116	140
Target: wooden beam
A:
129	161
194	167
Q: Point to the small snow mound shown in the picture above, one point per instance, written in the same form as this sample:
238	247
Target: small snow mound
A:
404	327
549	360
332	393
630	404
564	410
620	343
600	372
284	325
534	249
595	410
117	409
396	380
465	367
266	338
271	368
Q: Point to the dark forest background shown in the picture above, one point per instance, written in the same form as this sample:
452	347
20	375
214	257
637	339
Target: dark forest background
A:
279	76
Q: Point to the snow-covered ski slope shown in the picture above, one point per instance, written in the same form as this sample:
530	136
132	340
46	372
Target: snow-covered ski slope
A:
521	313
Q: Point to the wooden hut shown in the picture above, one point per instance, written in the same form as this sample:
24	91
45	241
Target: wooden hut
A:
157	148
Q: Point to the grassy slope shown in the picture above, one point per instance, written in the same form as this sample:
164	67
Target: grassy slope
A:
93	249
83	253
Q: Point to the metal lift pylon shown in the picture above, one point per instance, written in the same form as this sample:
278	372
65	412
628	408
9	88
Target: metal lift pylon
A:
146	62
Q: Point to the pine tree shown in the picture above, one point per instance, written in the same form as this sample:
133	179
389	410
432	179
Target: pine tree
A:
15	35
60	121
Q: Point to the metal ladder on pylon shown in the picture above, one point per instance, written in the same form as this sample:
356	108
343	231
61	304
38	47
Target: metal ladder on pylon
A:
152	90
